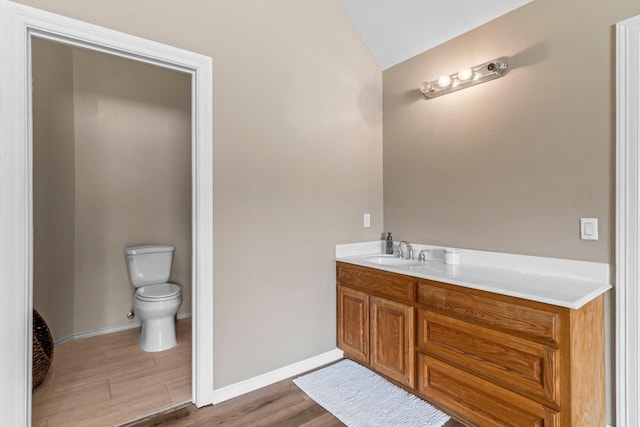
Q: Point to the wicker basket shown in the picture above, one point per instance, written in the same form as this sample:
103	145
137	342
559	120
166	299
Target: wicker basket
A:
42	349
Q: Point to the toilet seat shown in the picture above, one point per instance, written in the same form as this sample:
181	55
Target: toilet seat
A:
159	292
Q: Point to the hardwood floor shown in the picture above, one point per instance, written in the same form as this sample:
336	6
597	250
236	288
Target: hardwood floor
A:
281	404
107	380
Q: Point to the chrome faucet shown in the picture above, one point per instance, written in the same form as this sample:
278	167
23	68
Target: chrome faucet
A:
405	250
422	256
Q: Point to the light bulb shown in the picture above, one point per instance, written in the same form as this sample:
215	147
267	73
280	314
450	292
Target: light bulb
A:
465	74
426	87
444	81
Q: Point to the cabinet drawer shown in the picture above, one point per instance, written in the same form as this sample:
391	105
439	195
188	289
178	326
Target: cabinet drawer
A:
519	318
476	401
377	282
527	367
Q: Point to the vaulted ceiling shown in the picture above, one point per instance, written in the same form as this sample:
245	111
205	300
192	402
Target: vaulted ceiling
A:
396	30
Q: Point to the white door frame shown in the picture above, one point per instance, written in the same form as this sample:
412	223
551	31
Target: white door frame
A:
18	24
628	223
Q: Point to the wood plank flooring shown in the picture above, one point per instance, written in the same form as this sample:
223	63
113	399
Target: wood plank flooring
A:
108	380
281	404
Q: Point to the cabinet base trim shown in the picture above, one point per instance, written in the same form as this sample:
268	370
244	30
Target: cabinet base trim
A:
246	386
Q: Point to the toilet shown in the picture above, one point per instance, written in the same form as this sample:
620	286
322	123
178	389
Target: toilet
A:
156	301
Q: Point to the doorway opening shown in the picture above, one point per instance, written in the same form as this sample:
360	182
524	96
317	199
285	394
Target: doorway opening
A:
111	169
23	23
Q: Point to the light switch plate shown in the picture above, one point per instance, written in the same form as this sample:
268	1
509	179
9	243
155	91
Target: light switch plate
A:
367	221
589	228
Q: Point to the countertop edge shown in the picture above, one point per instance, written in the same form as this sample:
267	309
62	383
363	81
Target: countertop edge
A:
593	288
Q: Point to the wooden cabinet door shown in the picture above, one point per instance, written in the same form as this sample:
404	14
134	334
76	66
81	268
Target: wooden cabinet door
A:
353	324
392	342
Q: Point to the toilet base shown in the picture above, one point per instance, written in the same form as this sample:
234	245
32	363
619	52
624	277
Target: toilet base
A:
158	323
158	334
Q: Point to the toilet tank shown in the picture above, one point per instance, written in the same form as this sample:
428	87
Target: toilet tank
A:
149	264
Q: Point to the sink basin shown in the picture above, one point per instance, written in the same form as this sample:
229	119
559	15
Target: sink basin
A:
390	260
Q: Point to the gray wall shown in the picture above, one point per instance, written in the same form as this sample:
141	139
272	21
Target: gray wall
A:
133	178
297	161
511	165
113	171
53	186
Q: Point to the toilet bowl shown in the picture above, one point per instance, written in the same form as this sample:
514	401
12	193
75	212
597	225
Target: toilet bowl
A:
155	301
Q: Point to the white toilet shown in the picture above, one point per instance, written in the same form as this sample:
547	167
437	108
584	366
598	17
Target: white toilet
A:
156	301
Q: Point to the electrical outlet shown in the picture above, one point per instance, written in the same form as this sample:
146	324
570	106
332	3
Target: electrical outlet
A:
367	220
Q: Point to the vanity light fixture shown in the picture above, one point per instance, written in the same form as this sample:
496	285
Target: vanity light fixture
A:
466	77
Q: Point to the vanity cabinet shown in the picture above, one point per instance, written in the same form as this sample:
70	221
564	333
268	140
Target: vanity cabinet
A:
376	321
485	358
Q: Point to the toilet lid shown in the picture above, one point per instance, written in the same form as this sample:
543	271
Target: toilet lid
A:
157	292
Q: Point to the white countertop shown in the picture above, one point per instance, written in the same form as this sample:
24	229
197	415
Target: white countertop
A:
565	283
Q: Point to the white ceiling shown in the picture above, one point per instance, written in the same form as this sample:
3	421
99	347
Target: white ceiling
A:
396	30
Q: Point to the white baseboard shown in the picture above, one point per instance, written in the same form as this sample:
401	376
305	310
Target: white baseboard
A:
246	386
107	330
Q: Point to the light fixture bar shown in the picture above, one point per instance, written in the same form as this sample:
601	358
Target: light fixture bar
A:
465	78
